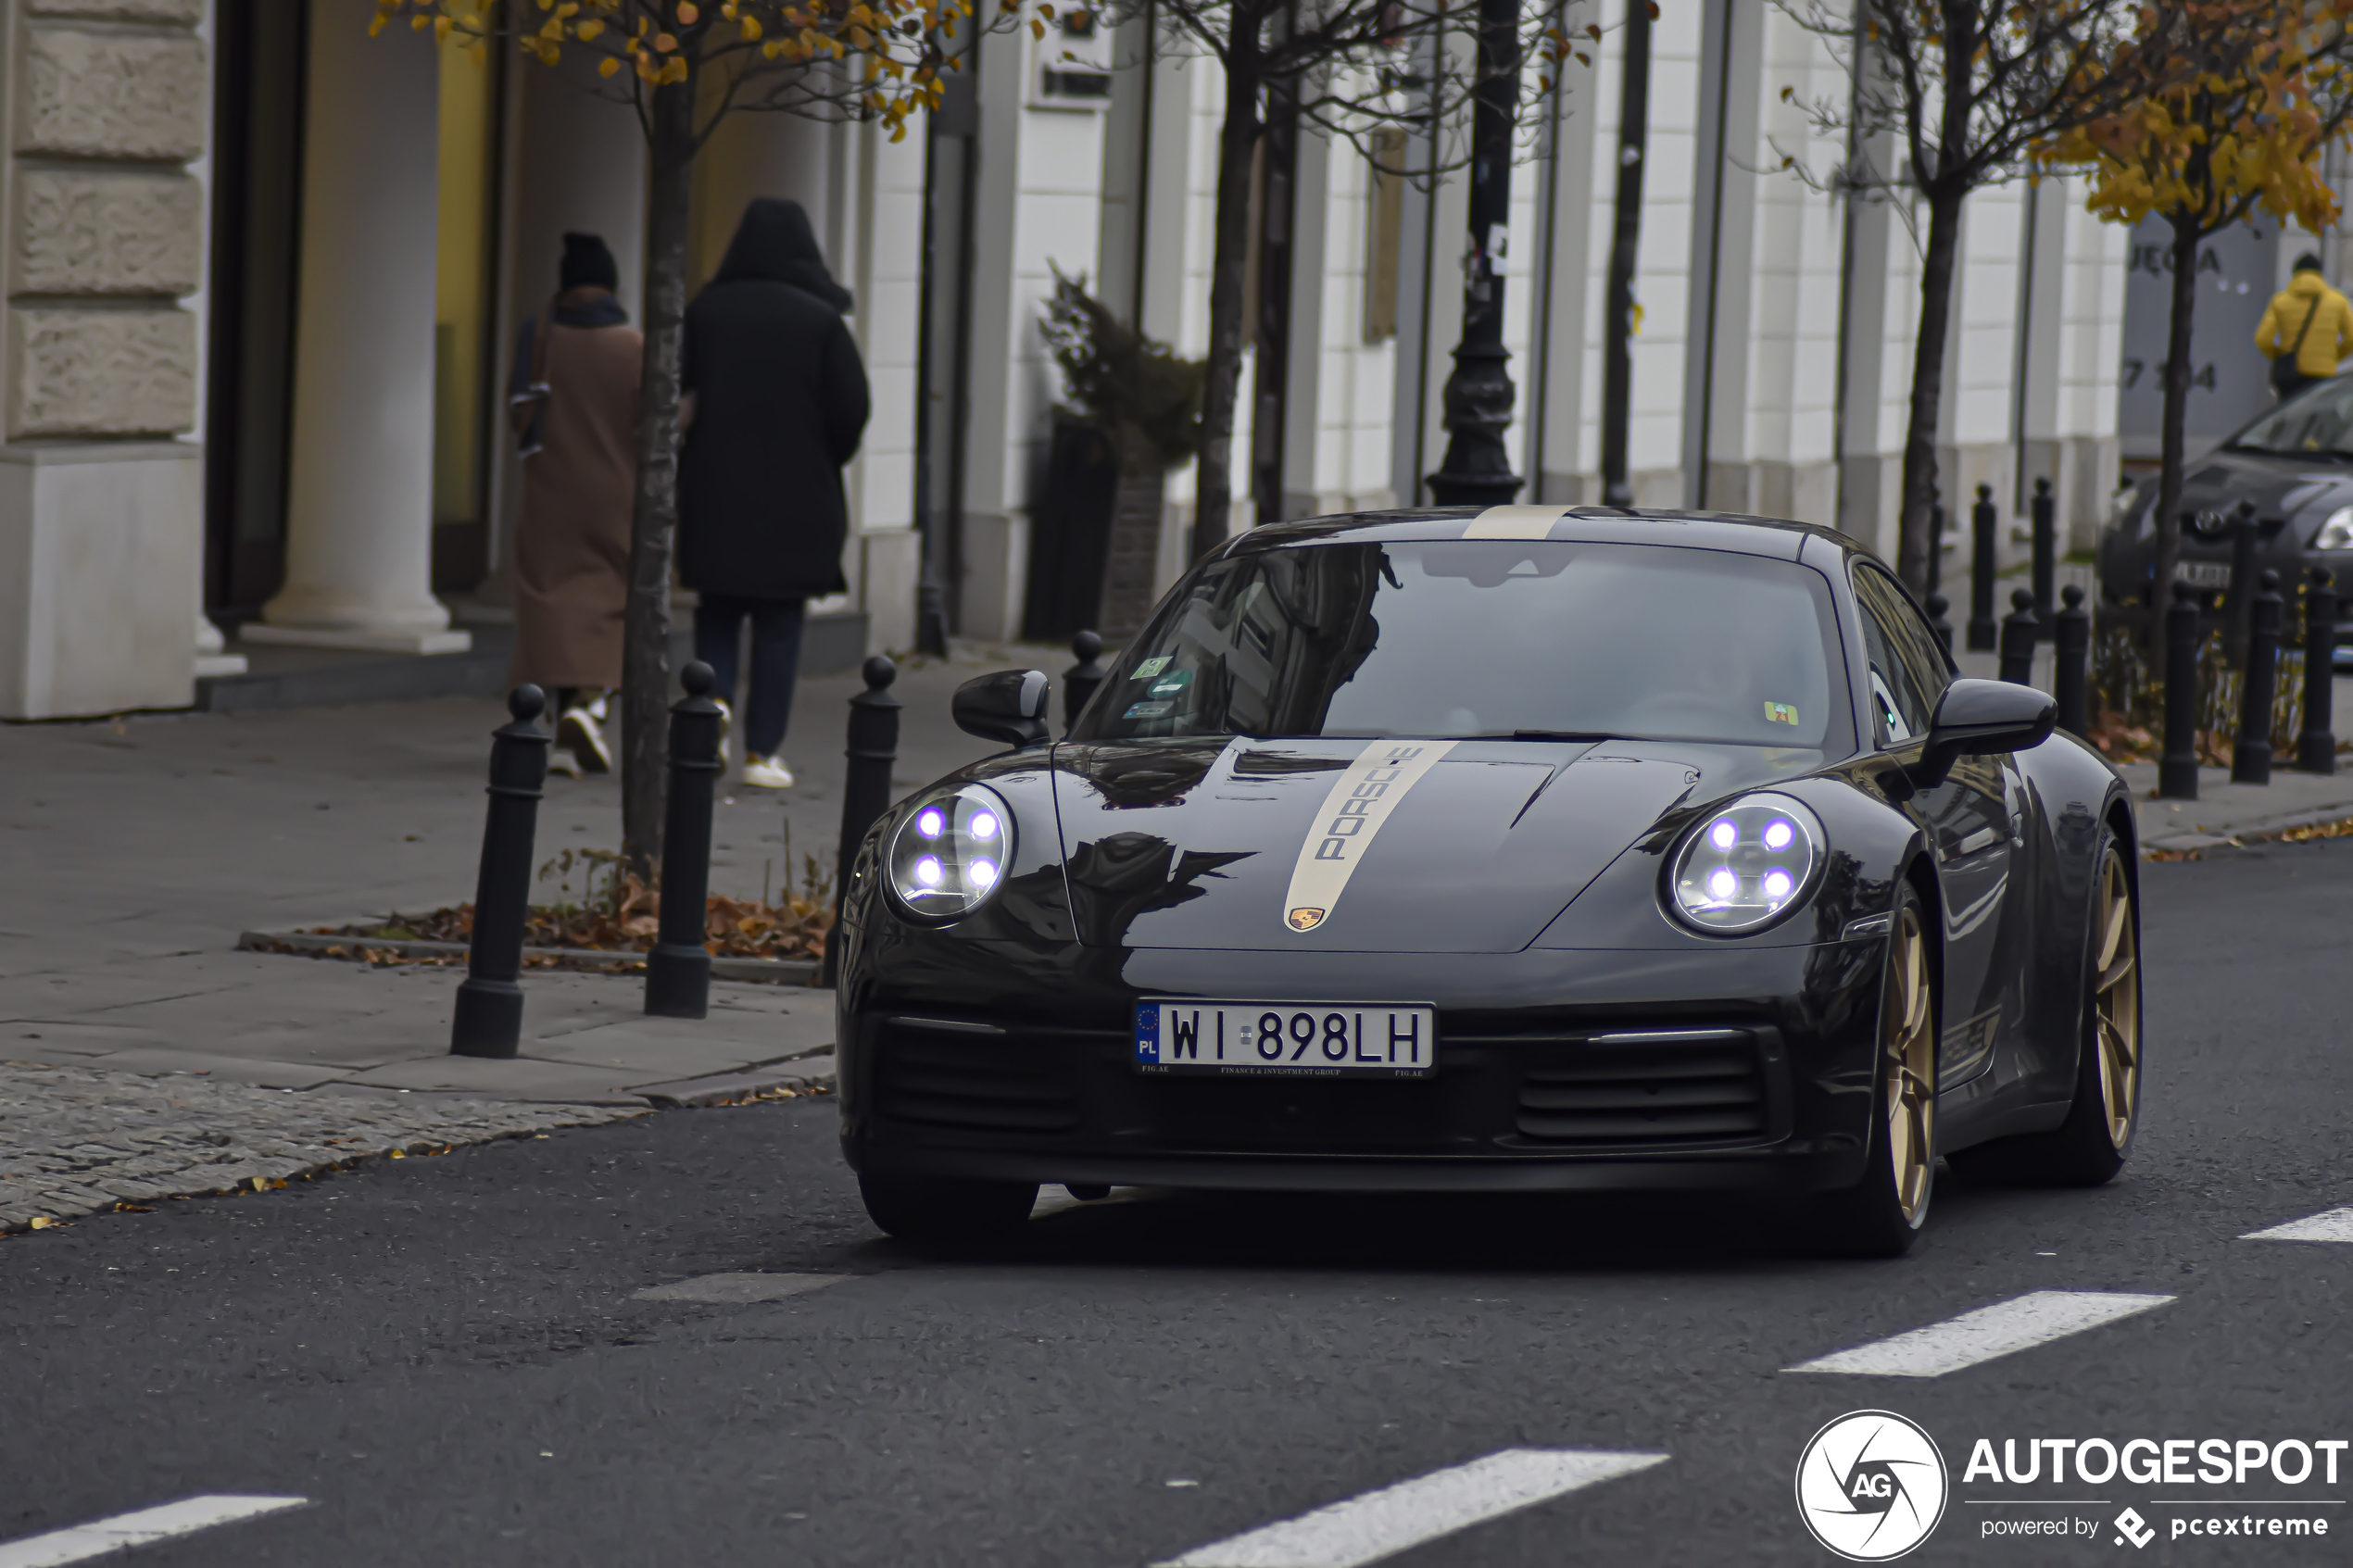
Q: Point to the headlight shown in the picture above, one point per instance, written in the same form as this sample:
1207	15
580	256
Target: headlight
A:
2120	505
950	852
1746	866
2337	533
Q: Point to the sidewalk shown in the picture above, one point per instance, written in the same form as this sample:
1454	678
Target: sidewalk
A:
143	1056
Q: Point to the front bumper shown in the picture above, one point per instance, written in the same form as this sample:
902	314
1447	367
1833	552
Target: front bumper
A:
1747	1068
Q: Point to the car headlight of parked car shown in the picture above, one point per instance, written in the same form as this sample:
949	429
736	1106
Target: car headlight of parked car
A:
1744	866
2120	505
2336	533
949	855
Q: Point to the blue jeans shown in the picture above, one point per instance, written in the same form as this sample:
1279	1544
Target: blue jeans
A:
776	661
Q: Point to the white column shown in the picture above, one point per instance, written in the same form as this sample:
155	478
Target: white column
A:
359	494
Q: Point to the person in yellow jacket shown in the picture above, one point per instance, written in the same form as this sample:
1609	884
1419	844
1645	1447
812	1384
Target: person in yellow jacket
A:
2308	329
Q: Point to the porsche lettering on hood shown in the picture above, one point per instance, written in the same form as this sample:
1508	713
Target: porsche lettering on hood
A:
1470	846
1362	799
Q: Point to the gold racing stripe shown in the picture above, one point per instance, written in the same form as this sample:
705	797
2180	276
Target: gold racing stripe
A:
1359	802
1514	523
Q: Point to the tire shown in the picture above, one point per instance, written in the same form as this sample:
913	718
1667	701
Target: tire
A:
1881	1215
945	1214
2092	1145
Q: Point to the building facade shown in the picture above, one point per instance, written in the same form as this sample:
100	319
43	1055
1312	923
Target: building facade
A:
264	276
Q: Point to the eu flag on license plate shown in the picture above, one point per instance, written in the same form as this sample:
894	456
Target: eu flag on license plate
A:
1147	1033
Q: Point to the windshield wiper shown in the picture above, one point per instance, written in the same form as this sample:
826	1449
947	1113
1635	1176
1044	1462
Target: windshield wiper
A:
1563	734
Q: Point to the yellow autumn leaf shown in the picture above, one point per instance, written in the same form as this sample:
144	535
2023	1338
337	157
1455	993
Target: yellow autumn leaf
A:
41	1221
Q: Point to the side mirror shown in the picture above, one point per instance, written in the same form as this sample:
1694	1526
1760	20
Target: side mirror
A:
1009	706
1974	717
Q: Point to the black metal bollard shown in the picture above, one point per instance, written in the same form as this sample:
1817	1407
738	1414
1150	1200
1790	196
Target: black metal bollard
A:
2251	758
2020	628
2316	746
1081	679
1935	540
1937	624
2070	659
2177	768
678	970
865	795
489	1018
2046	548
2239	607
1984	629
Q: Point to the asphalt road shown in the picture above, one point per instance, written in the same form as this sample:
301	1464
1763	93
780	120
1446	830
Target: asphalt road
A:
443	1356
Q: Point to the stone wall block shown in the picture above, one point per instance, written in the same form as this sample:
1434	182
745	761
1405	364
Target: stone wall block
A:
171	13
87	232
101	373
87	94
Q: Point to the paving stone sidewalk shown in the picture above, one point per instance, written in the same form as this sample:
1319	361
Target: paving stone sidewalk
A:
79	1140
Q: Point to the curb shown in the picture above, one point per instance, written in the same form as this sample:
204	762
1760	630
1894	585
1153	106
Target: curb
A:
2265	830
589	961
800	1074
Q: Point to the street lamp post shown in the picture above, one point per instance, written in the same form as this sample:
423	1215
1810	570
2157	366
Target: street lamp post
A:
1478	471
1618	359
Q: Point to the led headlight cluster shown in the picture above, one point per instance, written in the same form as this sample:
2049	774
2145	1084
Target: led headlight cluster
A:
1747	864
950	852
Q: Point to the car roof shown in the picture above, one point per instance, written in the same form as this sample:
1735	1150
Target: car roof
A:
1776	537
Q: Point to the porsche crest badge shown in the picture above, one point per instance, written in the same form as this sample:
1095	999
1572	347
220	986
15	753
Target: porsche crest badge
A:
1305	920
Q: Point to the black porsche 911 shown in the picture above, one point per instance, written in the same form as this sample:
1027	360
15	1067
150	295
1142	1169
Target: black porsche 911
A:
1509	850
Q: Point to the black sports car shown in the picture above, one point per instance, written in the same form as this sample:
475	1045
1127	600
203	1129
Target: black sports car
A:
2295	464
1517	849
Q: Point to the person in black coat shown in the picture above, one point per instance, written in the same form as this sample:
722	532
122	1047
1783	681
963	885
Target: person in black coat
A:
780	400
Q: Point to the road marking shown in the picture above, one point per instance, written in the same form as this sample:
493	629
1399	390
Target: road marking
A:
148	1526
1057	1200
1377	1525
738	1289
2021	1323
2334	1226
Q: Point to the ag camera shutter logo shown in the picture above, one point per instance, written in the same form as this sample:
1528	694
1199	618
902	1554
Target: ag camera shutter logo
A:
1871	1485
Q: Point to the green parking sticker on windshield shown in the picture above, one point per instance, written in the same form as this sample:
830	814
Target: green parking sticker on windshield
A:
1149	668
1173	683
1781	713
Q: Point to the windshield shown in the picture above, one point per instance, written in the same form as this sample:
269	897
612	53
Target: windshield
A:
2318	422
1499	637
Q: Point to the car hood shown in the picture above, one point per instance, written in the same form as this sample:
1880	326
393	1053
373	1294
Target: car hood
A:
1456	847
2280	487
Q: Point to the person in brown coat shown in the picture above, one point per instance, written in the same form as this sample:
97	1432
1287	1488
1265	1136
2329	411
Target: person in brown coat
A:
575	410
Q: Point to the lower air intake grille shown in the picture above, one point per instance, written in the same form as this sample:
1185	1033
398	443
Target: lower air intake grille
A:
991	1085
1700	1086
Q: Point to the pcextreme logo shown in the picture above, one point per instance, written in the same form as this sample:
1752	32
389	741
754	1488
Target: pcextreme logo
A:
1871	1485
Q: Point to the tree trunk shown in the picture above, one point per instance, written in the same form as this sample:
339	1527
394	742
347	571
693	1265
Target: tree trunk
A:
2186	237
644	677
1913	542
1235	143
1133	559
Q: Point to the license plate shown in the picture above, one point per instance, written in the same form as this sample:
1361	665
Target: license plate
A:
2203	574
1285	1039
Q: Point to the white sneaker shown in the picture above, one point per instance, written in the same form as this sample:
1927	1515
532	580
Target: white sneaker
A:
578	733
767	773
562	761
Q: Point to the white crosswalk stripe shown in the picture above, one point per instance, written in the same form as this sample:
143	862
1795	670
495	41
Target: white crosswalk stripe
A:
2337	1224
1377	1525
2001	1329
146	1527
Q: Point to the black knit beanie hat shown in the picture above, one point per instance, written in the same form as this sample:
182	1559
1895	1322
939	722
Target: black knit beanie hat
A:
588	262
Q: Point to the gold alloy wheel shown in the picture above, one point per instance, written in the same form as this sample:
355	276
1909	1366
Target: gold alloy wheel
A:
1908	1047
2116	1002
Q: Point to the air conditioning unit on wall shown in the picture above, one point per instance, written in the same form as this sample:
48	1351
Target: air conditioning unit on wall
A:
1072	64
